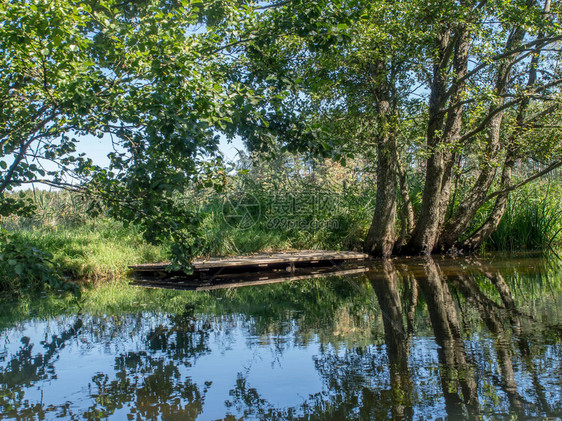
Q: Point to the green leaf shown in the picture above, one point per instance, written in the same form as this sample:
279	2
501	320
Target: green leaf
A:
18	269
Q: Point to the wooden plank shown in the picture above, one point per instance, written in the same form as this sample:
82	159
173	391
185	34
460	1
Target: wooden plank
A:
260	260
259	280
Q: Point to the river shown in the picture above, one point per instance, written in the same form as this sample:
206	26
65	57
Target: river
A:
466	338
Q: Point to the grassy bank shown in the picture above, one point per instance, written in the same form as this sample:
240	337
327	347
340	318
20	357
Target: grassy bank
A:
42	257
97	250
63	240
82	247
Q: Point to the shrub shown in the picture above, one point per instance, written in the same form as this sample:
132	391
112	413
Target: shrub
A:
25	267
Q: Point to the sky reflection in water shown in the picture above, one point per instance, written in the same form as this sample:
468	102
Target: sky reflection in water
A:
408	339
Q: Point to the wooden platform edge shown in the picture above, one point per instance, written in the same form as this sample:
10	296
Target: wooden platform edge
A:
261	260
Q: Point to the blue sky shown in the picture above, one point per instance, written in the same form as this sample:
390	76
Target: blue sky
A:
97	149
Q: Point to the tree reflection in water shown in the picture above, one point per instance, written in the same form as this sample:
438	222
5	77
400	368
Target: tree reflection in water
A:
456	374
149	381
356	389
430	339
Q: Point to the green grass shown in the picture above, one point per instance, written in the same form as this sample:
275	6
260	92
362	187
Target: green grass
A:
532	221
341	225
99	249
88	248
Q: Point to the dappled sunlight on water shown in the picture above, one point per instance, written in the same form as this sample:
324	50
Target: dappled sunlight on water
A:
408	339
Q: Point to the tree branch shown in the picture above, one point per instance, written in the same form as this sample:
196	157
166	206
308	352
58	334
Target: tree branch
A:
527	180
508	104
525	47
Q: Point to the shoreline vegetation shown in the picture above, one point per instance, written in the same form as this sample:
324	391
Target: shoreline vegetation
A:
528	284
424	134
396	128
62	240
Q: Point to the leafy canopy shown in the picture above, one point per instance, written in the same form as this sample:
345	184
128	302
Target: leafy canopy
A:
149	76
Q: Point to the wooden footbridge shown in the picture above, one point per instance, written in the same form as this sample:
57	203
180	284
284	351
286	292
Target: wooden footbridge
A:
254	269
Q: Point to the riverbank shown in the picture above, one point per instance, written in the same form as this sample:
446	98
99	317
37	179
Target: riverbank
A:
63	239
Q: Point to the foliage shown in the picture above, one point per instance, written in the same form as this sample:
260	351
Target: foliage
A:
82	247
533	219
99	250
296	203
95	248
24	267
433	89
375	82
54	209
145	77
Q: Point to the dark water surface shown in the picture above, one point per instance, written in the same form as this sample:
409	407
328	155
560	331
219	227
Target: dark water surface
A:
409	339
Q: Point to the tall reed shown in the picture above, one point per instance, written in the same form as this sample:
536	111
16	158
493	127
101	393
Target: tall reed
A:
533	219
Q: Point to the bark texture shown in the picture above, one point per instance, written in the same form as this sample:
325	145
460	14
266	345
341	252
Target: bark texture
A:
427	227
382	233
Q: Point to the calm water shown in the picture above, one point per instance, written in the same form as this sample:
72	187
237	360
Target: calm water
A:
413	339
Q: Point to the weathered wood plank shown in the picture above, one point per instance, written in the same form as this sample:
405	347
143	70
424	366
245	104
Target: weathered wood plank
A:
260	260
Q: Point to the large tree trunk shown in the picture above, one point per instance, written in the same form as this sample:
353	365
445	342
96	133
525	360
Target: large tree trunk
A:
439	226
453	124
440	165
382	233
427	227
470	205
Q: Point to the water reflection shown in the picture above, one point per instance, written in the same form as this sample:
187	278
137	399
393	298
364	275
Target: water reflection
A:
396	338
457	376
408	339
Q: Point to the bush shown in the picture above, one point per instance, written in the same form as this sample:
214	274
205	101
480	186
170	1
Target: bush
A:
24	267
284	213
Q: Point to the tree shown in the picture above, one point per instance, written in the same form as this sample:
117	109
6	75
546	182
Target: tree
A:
150	75
468	87
465	117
